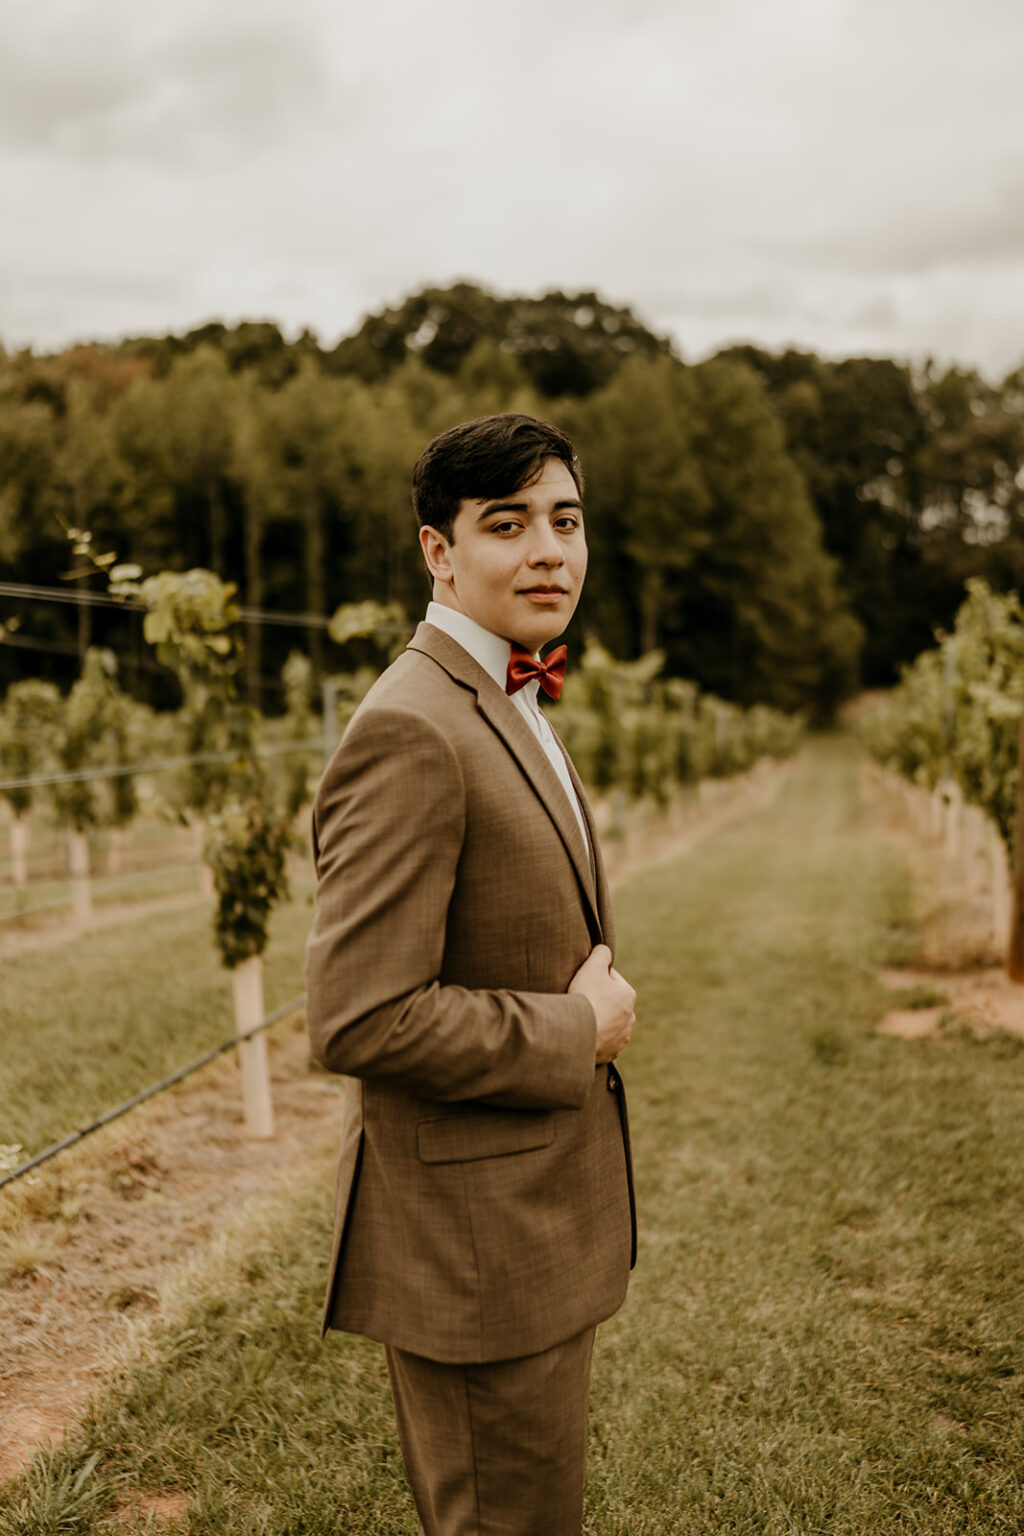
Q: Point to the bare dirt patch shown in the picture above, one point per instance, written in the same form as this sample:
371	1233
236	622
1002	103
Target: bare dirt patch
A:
910	1023
161	1511
985	1000
91	1239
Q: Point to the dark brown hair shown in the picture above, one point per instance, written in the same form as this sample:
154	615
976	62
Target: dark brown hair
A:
483	459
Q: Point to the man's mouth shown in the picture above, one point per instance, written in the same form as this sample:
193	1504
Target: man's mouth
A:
542	591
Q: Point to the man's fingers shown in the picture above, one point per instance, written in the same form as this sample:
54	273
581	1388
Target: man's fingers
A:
616	977
602	955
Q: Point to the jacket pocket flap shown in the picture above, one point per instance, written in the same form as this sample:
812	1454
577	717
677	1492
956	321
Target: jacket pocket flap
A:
465	1138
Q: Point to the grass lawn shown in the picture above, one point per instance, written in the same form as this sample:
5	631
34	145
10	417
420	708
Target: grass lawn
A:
92	1020
824	1331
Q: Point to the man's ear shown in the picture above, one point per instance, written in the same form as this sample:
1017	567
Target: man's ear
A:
435	549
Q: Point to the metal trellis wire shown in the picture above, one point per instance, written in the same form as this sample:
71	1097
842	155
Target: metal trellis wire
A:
162	764
44	1156
101	600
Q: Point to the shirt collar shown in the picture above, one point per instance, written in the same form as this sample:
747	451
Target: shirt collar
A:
491	651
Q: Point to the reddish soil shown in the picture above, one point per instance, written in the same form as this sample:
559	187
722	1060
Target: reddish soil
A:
985	1000
104	1226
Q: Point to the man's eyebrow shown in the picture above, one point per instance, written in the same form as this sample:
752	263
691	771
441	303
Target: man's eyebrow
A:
521	506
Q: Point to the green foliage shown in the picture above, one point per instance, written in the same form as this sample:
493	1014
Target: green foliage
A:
191	620
188	621
130	733
28	723
628	729
246	844
704	543
918	482
765	520
92	708
57	1497
564	344
380	622
956	713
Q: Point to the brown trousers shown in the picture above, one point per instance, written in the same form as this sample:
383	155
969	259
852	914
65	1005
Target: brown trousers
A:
497	1449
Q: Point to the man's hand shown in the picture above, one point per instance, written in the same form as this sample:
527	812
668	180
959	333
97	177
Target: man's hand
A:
612	999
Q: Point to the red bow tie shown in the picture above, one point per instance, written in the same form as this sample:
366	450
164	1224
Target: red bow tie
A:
522	669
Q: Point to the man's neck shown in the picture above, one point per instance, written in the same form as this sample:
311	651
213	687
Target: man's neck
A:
489	650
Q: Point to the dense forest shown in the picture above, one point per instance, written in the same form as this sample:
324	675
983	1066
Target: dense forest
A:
784	528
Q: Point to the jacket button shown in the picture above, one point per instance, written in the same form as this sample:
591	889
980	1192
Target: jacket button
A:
613	1081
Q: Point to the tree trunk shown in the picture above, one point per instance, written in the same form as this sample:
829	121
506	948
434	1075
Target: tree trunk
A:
253	598
316	583
650	610
84	631
218	524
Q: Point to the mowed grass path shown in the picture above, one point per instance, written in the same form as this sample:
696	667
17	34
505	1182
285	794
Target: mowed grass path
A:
824	1331
86	1023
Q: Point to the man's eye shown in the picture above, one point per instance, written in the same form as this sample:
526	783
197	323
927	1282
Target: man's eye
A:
568	523
504	527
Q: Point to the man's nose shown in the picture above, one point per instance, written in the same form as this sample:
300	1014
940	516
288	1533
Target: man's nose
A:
544	547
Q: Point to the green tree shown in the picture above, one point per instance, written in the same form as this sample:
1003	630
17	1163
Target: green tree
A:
88	483
770	623
648	505
566	344
704	539
856	430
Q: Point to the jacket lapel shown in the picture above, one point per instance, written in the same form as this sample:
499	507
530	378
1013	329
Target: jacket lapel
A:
504	718
604	901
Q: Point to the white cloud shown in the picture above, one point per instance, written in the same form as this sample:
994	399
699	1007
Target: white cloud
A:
841	174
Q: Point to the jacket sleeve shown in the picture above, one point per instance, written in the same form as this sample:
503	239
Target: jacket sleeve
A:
388	830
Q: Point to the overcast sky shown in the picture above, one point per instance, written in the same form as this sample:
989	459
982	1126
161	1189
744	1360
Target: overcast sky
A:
843	175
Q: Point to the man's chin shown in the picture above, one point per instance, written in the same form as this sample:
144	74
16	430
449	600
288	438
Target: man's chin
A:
536	637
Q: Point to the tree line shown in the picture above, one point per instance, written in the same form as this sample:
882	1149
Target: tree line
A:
781	527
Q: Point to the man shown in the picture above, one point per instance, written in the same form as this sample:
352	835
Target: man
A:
459	972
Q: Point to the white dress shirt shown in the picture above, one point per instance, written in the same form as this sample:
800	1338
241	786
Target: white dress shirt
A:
491	652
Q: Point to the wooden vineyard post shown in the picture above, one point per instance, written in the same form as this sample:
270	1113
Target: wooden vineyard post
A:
257	1106
19	849
1015	951
78	867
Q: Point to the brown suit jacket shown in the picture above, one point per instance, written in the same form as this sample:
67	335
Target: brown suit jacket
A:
484	1204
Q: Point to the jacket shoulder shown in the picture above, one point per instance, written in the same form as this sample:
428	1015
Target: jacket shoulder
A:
415	684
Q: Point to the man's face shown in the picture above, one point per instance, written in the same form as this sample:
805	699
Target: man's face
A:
515	565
